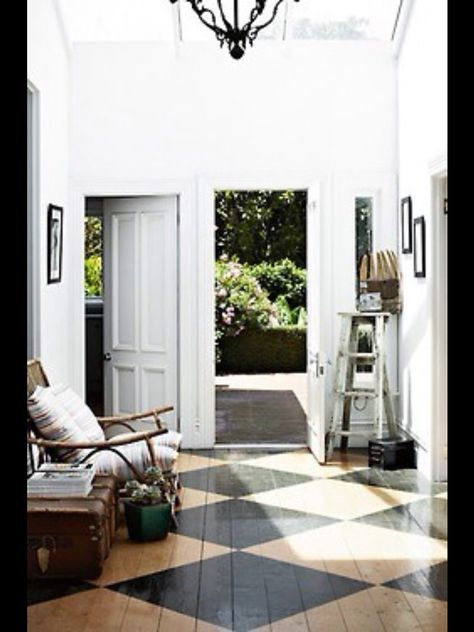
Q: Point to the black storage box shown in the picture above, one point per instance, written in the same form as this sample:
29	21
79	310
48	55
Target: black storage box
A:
395	453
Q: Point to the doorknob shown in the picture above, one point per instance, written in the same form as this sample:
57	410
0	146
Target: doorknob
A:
107	356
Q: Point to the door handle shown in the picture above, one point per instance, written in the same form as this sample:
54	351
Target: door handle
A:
314	358
107	356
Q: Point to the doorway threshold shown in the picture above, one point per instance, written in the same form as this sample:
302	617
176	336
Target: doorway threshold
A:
259	446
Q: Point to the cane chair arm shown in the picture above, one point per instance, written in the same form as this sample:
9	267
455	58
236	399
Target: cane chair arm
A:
120	419
121	439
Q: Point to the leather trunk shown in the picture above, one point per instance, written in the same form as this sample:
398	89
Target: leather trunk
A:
110	482
68	537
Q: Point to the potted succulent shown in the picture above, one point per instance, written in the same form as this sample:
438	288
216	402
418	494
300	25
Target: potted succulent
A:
148	507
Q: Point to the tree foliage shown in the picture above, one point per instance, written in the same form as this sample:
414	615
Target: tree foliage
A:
93	256
93	275
258	226
282	279
93	236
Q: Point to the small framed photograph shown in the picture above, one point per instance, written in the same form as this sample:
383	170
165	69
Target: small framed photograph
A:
406	225
419	257
55	243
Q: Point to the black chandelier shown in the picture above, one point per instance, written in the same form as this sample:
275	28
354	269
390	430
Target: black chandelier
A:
229	32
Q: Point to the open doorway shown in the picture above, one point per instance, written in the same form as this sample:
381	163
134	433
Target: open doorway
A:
94	303
260	317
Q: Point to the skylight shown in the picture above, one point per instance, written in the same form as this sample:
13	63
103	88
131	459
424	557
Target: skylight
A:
159	20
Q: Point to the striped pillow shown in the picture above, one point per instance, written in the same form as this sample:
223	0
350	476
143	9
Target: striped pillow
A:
53	422
79	411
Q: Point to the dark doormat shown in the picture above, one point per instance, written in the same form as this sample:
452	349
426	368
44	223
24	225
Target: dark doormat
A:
258	416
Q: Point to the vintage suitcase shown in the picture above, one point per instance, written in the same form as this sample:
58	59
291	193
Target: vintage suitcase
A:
110	482
68	537
107	497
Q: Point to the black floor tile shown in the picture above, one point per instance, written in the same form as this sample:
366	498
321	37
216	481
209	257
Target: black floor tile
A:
46	589
215	592
236	479
427	516
240	524
240	591
403	480
431	582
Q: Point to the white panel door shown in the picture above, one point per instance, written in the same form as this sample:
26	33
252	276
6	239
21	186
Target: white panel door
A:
140	304
315	355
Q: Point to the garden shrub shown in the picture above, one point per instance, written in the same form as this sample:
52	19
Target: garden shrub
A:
282	278
265	350
240	301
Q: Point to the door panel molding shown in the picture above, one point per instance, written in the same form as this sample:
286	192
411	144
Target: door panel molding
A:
152	313
124	284
119	370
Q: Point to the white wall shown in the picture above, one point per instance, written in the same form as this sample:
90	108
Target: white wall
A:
48	73
140	113
422	120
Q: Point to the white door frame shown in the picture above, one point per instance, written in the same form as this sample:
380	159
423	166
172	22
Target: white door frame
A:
187	281
207	186
438	170
34	233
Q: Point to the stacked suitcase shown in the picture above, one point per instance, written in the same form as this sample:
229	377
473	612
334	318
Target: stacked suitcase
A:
71	537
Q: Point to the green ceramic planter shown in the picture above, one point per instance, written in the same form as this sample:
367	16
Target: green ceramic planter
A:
147	522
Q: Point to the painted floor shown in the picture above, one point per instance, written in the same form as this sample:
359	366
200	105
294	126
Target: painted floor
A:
269	408
272	541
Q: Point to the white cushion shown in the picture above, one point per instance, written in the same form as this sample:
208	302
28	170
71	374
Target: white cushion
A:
171	438
107	462
53	422
79	411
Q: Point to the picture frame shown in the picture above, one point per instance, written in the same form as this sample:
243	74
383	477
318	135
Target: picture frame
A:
55	243
406	211
419	254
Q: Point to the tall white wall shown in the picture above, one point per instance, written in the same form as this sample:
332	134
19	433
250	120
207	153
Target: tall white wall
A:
140	112
48	72
422	124
143	114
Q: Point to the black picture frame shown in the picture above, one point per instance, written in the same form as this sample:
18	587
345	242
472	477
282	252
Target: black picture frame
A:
407	237
55	243
419	250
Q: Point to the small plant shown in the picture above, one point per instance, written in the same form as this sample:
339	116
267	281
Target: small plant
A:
153	491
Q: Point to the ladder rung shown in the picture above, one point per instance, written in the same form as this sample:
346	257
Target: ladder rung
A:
363	355
362	433
358	393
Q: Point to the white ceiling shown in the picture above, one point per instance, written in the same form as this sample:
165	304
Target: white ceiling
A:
159	20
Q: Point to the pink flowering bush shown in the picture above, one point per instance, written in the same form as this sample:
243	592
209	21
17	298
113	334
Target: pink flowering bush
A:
240	301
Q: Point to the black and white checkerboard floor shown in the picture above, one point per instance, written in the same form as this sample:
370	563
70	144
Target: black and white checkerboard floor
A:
272	541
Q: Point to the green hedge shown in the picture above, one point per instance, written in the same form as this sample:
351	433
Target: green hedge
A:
275	350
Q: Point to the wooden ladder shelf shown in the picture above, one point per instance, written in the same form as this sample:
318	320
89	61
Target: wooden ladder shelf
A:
344	389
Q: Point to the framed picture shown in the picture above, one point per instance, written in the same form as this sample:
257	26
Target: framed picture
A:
406	225
55	243
419	248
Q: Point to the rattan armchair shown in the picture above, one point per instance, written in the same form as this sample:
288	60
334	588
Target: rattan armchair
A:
47	449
